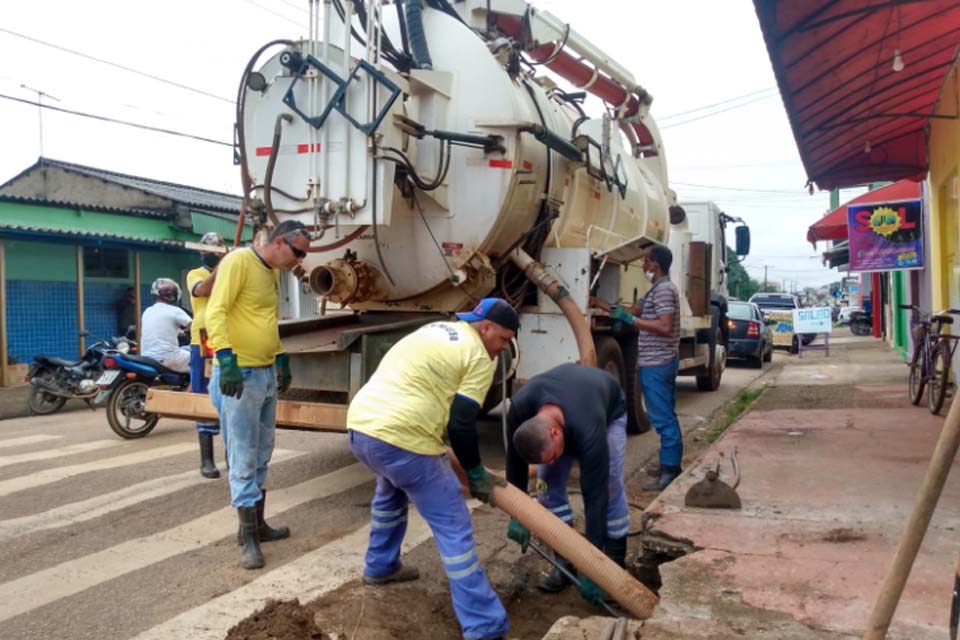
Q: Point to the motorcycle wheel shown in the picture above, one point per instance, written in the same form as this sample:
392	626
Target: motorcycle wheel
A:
42	403
126	410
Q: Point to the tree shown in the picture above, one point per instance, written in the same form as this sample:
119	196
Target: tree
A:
739	282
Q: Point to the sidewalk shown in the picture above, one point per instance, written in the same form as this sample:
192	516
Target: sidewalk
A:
831	457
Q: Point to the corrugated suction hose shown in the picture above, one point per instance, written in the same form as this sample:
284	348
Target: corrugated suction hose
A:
624	588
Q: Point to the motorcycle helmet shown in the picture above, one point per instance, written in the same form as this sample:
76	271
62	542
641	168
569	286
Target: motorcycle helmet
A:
212	237
166	290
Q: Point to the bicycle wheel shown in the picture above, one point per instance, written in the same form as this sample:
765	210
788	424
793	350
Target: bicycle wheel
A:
917	380
939	377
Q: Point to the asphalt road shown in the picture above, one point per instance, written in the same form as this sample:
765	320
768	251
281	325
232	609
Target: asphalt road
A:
102	538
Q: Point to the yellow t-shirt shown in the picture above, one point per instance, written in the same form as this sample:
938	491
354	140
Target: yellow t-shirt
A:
243	308
407	400
199	305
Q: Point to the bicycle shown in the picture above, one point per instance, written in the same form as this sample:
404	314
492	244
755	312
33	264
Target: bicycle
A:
932	355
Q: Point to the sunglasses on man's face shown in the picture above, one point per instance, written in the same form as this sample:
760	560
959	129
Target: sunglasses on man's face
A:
298	253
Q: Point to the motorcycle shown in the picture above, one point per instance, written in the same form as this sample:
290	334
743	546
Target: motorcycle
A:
123	386
53	381
861	323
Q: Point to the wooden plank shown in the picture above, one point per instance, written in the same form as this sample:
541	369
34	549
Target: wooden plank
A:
81	322
309	416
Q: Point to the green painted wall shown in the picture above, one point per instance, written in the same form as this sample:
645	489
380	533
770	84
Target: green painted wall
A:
203	223
55	218
901	318
40	261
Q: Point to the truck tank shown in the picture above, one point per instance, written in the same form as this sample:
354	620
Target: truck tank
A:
416	184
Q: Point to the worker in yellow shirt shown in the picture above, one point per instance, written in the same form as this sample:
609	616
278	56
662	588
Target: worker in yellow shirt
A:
433	381
200	284
241	319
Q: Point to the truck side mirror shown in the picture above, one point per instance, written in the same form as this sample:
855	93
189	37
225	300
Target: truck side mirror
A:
743	240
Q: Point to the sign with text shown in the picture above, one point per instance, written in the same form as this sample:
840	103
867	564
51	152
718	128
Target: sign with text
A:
886	236
813	320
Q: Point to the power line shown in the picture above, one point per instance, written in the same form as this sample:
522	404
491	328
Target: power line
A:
116	65
713	186
269	10
717	104
718	112
127	123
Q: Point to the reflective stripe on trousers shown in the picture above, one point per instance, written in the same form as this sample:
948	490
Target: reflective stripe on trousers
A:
430	483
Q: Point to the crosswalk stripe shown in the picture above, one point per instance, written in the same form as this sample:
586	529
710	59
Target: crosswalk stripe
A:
68	578
68	450
25	440
307	578
101	505
49	476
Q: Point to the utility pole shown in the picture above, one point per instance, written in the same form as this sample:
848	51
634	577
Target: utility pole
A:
764	277
40	96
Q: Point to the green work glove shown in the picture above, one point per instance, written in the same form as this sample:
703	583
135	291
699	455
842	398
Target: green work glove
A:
590	592
284	377
620	314
482	483
519	534
231	378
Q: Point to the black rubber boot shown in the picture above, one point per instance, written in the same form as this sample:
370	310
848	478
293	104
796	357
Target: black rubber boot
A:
555	581
251	557
208	468
403	574
653	471
667	475
616	550
266	532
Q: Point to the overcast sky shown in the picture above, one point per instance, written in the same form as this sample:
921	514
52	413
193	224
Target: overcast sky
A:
688	54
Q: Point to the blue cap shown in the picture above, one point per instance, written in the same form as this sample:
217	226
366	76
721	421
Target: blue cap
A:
495	310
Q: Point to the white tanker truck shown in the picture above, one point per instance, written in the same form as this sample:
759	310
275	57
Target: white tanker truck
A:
436	160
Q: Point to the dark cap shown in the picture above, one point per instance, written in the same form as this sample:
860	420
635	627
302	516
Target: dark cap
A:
495	310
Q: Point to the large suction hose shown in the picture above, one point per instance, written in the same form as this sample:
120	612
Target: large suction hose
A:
418	40
616	581
537	274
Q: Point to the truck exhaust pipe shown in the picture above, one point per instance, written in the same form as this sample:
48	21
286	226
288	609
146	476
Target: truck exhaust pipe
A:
538	275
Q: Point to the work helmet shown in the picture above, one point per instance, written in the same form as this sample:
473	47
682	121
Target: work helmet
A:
212	237
166	290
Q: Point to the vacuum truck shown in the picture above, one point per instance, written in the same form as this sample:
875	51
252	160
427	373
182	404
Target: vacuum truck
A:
440	152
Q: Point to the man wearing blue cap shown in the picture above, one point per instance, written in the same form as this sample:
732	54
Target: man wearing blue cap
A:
433	381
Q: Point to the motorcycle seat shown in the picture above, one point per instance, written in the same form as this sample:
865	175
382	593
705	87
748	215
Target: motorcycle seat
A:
59	362
150	362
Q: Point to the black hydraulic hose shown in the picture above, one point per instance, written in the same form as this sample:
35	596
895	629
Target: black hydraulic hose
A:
418	40
271	164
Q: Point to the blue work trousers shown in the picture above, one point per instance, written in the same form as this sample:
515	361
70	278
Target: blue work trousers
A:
556	473
435	490
198	384
249	427
660	396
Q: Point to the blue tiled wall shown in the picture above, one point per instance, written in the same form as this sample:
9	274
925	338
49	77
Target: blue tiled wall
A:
42	315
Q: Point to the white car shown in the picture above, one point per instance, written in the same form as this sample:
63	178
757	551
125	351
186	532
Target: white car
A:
845	312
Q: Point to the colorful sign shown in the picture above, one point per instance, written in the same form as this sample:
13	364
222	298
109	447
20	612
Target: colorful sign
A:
886	236
781	326
813	320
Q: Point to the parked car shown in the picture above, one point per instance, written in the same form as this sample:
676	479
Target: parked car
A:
781	302
750	336
844	316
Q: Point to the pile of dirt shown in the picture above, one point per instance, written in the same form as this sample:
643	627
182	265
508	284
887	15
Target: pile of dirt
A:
279	620
841	396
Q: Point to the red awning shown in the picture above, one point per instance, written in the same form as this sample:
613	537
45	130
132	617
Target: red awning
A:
833	226
854	118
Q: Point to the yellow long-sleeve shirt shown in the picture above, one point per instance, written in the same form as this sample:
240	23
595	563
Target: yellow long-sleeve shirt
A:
198	304
242	312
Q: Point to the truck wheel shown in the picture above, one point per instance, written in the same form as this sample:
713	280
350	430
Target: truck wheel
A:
711	380
637	420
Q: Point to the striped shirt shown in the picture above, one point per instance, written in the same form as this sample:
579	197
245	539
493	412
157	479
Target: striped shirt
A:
662	299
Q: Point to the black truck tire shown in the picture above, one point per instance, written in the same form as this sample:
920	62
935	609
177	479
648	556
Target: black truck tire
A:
710	381
637	420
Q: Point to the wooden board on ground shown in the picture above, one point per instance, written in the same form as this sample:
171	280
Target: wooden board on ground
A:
309	416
